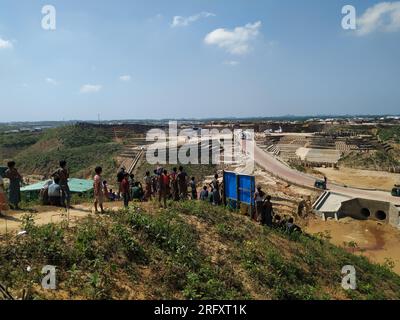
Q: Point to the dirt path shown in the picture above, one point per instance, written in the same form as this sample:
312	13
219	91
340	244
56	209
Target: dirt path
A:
374	240
12	220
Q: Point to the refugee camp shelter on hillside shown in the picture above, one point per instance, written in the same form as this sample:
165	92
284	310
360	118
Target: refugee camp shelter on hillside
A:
77	186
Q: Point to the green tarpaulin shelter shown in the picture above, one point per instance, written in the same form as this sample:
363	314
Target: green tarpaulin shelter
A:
75	185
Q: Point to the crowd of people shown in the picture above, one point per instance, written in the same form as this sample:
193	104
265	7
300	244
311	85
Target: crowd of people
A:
55	192
161	185
265	214
176	185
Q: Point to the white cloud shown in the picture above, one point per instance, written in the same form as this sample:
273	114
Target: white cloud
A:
236	41
384	16
179	21
125	78
231	63
5	44
90	88
52	81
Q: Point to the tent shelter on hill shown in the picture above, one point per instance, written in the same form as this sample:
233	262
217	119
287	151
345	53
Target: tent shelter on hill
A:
77	186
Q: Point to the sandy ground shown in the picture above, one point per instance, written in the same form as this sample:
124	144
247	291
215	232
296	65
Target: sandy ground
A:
375	240
362	178
12	220
270	164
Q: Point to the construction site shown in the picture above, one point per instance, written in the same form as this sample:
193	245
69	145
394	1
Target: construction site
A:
321	149
208	157
362	220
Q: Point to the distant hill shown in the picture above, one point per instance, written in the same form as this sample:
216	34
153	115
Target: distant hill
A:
82	147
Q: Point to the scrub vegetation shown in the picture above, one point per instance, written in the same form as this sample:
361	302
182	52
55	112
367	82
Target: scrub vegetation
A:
192	250
81	146
378	160
391	134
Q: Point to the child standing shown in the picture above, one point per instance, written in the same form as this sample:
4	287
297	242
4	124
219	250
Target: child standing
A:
125	189
98	190
193	188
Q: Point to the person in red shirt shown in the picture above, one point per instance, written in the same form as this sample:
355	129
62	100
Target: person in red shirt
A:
167	183
163	190
125	186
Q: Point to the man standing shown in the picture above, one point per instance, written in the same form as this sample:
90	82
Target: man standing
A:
266	212
163	183
174	184
301	207
182	184
98	190
193	188
125	190
259	199
167	183
215	190
63	174
15	185
120	177
155	180
147	184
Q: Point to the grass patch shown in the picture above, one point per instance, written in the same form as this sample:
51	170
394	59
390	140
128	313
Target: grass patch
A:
146	252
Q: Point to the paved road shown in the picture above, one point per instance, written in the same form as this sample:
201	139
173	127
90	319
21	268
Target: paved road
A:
277	168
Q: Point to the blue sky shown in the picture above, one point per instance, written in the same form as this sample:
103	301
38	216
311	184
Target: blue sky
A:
197	58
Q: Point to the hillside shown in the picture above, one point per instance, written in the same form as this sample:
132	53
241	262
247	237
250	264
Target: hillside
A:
82	147
190	251
378	160
391	134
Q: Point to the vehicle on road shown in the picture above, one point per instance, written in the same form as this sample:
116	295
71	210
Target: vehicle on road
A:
396	191
320	184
